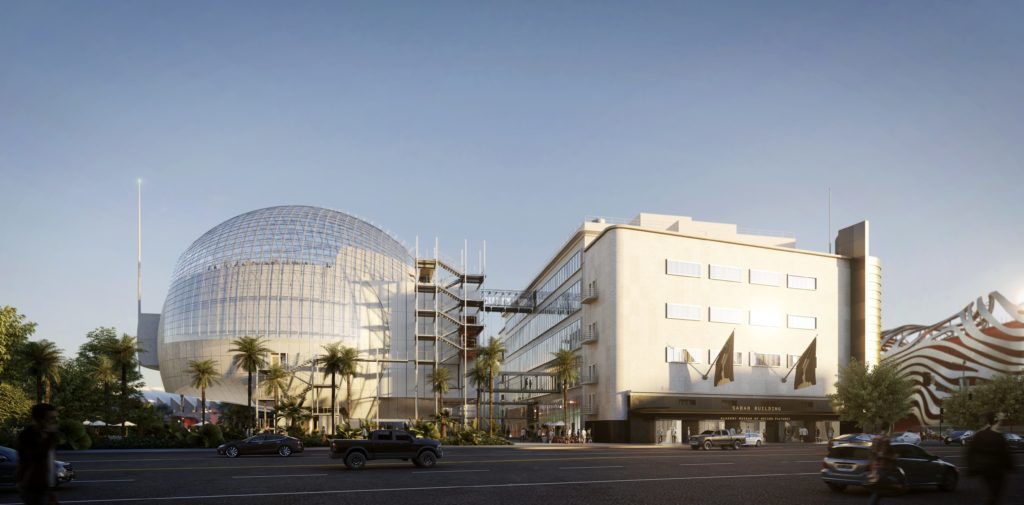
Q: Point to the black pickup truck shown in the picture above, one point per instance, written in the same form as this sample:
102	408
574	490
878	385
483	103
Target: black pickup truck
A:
387	444
719	438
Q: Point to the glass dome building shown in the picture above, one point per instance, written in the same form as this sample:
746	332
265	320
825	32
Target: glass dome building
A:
300	277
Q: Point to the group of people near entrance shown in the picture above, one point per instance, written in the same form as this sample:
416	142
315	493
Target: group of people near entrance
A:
988	457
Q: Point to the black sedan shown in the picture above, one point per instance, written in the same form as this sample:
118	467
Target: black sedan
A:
261	444
847	465
1015	441
961	437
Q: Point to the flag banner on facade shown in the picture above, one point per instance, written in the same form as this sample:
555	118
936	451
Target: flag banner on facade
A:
724	363
806	367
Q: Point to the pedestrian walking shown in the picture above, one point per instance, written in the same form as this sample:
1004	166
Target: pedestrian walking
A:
988	457
883	474
37	445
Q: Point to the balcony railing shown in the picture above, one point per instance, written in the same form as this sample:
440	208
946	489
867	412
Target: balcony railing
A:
589	409
589	336
588	294
589	376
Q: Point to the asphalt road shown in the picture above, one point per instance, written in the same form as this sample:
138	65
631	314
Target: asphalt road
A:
524	474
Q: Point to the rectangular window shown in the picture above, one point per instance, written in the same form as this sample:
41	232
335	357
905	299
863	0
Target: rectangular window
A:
725	315
765	278
802	322
683	268
725	273
738	360
681	311
791	360
675	355
799	282
767	318
762	359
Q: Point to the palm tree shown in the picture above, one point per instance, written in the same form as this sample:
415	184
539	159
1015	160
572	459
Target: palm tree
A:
566	367
122	353
43	358
332	366
479	376
349	368
102	372
491	355
250	354
292	409
275	383
204	374
439	380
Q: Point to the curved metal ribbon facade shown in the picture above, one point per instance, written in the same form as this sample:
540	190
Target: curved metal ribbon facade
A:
971	345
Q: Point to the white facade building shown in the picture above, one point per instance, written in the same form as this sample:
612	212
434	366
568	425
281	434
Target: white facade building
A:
648	304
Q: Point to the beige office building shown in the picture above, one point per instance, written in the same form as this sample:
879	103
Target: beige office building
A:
649	304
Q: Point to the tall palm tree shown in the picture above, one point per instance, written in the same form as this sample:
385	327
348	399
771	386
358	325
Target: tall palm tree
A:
293	410
439	380
122	353
332	362
204	374
479	376
43	359
566	367
249	354
349	368
274	383
102	372
491	355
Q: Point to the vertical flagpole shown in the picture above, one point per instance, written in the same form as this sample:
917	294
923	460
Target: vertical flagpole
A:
829	237
138	289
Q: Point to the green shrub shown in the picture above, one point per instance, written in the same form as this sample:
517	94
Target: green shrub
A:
212	436
425	429
73	435
475	437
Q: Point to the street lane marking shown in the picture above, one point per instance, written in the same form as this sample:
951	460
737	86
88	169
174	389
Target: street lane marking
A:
432	488
705	464
807	461
588	467
119	460
448	471
264	476
104	480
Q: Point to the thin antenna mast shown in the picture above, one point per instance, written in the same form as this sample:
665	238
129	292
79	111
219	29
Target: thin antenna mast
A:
139	250
829	237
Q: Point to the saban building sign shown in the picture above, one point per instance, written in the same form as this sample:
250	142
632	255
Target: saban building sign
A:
718	407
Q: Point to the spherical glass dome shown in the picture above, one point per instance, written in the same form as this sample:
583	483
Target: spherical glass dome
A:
289	272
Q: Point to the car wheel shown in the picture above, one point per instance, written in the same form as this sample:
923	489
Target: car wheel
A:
355	461
736	445
285	451
757	444
836	487
426	459
949	481
707	445
231	452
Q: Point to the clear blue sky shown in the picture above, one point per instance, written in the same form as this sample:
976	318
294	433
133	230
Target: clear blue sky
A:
506	122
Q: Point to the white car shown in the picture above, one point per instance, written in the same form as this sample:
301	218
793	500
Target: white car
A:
754	439
906	437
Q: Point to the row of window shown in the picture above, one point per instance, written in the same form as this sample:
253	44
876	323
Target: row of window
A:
735	274
698	356
732	315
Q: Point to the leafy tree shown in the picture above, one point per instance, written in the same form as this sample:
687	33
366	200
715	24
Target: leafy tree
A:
349	369
339	360
491	356
439	384
479	376
101	371
250	354
14	331
566	367
274	383
204	374
43	360
961	409
293	410
875	398
14	406
1004	394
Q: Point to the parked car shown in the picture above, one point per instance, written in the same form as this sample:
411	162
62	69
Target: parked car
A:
387	444
847	465
862	439
261	444
906	437
1015	441
753	438
959	437
717	438
9	465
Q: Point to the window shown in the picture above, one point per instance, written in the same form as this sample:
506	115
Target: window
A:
791	360
681	311
802	322
765	318
683	268
765	278
674	355
382	435
725	273
403	438
725	315
738	360
798	282
762	359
